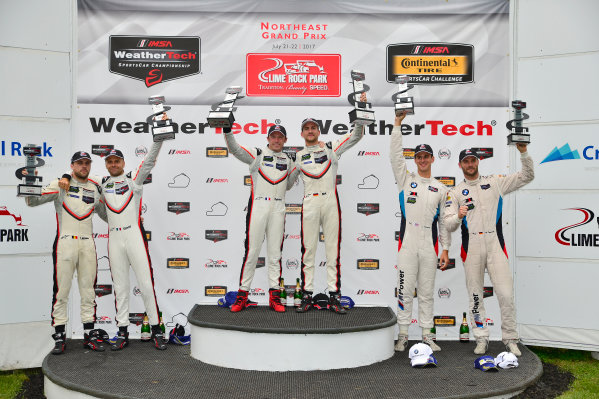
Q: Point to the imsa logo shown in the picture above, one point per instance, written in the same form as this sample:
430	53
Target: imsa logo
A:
368	264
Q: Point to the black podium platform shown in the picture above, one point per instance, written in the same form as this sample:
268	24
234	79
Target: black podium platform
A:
140	371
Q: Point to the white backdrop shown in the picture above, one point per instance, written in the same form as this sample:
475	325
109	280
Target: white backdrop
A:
228	31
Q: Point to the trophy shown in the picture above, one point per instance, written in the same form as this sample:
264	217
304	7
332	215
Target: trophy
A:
519	133
222	113
403	102
161	129
29	186
360	115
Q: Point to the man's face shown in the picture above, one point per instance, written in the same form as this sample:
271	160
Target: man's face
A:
115	166
81	168
310	133
276	141
469	166
424	160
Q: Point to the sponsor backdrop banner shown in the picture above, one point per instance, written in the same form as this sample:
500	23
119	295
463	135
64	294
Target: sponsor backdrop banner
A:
292	65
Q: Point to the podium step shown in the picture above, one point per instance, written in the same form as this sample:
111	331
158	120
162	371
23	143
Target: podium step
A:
140	372
291	341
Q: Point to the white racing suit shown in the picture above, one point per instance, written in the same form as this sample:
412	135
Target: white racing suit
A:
318	168
422	203
127	243
272	174
74	246
483	244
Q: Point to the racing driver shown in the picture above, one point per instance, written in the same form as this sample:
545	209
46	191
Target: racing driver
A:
272	173
422	200
476	205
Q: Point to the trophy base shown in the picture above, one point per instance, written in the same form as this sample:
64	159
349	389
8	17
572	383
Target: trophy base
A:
361	117
25	190
404	106
515	138
220	119
157	137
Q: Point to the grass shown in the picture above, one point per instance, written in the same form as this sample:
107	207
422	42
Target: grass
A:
580	363
10	383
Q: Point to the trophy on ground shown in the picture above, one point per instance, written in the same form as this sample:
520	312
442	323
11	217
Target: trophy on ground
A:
403	102
519	133
162	129
222	113
360	115
29	186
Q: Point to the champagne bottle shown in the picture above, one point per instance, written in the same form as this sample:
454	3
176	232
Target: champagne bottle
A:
162	327
283	293
464	330
146	332
297	295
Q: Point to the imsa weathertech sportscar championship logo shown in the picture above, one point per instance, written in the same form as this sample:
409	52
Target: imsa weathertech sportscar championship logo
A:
177	263
101	149
215	290
431	63
216	235
217	152
103	289
368	208
178	207
154	59
450	264
368	264
483	153
293	75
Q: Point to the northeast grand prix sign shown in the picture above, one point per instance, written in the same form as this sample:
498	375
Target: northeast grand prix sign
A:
293	75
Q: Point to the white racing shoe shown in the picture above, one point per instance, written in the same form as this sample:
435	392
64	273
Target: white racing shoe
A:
511	345
428	339
402	343
481	346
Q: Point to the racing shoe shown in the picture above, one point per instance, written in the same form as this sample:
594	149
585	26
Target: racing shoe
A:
60	343
93	341
334	304
240	301
159	342
429	340
274	301
306	303
402	343
511	345
122	340
481	346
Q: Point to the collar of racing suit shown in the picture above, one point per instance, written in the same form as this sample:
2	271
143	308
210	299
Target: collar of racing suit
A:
473	182
314	147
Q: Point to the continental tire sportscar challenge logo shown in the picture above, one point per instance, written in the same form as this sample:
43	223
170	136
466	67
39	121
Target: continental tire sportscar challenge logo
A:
154	59
431	63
